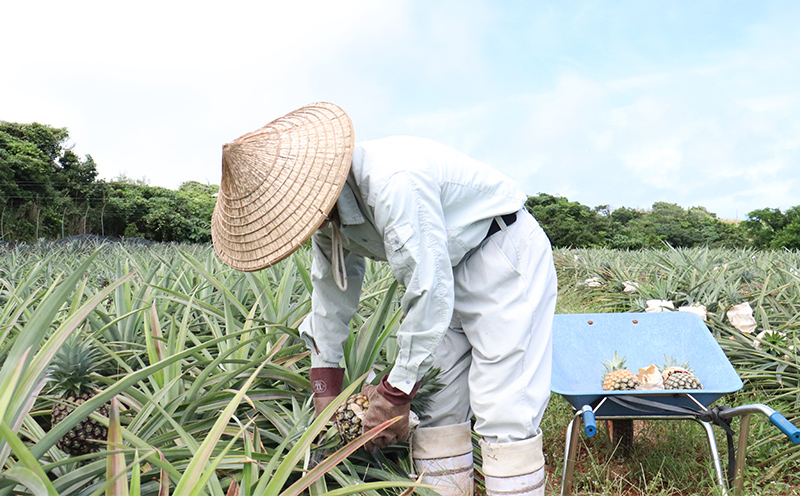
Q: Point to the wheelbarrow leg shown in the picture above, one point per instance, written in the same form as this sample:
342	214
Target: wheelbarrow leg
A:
712	445
570	455
744	431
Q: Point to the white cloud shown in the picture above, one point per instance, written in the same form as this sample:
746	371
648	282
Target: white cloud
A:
657	165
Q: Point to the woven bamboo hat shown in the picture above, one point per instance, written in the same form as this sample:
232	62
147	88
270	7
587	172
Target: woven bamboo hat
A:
278	185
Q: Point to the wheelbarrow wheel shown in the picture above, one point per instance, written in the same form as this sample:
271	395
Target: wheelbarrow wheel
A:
621	434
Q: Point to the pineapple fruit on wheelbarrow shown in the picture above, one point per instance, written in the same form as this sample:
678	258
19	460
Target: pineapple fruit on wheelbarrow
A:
616	377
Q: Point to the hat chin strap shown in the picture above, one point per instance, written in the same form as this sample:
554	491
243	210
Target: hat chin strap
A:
339	268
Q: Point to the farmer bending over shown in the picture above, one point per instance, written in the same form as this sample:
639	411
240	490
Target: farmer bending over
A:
480	285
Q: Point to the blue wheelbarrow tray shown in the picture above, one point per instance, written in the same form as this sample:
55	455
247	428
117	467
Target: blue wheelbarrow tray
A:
582	342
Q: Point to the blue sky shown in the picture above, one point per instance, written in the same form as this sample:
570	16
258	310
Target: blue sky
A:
616	103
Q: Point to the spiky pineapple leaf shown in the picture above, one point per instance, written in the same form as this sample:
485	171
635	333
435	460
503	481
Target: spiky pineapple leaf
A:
30	465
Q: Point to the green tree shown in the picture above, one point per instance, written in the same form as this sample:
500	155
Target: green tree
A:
672	224
732	235
789	235
763	225
133	208
125	205
568	224
624	215
675	225
26	165
197	203
75	176
29	156
48	191
45	188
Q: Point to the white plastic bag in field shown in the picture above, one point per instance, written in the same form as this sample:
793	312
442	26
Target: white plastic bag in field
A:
659	306
741	317
696	309
593	282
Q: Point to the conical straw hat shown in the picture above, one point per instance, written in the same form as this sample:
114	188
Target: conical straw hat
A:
278	185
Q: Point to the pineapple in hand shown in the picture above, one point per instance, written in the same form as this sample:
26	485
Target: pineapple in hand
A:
349	417
617	377
73	383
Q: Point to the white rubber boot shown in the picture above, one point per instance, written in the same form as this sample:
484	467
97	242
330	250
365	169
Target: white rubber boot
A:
443	457
514	469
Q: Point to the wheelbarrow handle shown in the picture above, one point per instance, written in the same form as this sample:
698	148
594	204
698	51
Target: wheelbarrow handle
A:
786	427
589	424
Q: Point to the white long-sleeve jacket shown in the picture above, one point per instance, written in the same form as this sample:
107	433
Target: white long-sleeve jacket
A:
421	206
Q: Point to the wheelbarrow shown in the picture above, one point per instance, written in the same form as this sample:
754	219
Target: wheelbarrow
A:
581	342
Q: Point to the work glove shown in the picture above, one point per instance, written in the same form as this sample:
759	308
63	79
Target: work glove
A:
385	403
326	383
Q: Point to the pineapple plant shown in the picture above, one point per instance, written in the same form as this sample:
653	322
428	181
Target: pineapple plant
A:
678	376
617	377
348	417
73	383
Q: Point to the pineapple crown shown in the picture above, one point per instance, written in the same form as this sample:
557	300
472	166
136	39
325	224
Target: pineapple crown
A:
72	368
615	363
429	385
672	362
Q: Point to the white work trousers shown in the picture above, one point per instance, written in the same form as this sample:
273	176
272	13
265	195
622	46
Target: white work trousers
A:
496	357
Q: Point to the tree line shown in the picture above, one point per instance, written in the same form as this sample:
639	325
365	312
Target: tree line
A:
49	192
570	224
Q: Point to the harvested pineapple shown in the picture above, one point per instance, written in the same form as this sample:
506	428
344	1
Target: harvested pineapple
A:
349	417
682	380
617	377
677	376
671	366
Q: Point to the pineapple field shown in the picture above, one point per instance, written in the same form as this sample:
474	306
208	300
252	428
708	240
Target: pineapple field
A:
158	370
